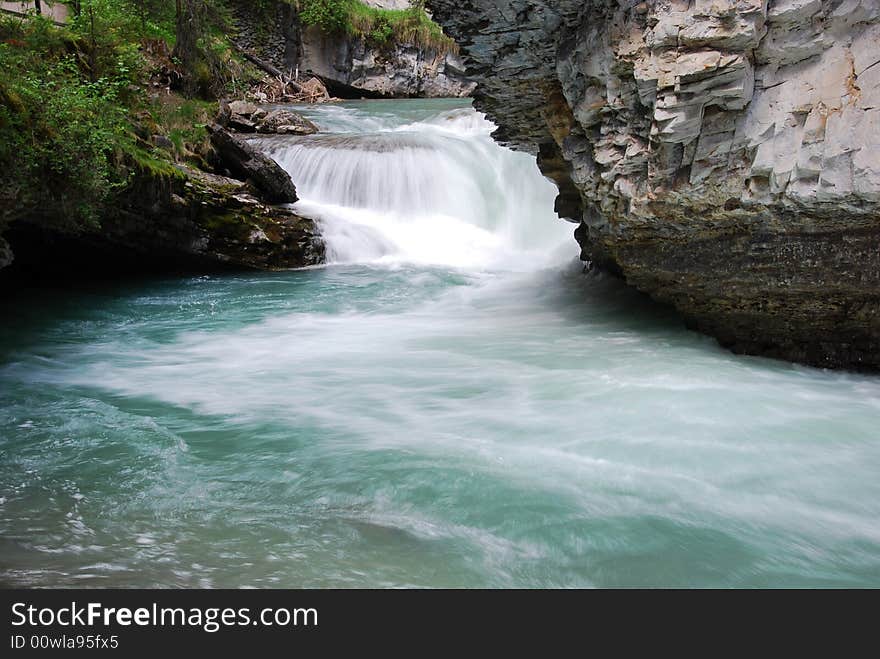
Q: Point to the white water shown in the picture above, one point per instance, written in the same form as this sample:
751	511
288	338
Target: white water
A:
438	191
432	410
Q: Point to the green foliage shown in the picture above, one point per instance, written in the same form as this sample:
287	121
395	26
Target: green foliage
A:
76	115
156	19
209	66
185	122
80	104
113	21
61	129
331	15
381	27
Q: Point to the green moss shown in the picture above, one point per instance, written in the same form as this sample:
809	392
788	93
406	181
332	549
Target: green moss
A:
150	162
228	224
382	27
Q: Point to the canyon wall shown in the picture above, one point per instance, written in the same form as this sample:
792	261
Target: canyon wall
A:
349	66
721	155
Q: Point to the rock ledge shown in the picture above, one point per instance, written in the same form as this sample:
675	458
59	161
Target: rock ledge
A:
721	155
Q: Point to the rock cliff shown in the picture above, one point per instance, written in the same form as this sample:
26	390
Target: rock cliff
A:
721	155
349	66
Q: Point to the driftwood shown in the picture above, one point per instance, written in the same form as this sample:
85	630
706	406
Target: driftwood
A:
272	70
279	83
273	90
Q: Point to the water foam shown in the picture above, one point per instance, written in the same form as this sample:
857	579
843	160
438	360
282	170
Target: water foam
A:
435	191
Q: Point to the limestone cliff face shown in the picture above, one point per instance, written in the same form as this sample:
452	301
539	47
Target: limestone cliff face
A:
721	155
349	66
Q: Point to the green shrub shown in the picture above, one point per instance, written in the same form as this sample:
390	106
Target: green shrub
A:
331	15
63	135
381	27
75	117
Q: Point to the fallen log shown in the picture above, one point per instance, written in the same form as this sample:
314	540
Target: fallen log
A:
272	70
248	164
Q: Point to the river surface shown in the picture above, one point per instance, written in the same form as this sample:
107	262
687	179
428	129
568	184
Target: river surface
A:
451	402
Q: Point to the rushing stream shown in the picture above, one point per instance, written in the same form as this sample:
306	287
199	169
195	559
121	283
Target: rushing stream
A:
451	403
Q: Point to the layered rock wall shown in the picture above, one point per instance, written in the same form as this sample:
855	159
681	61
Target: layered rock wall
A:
721	155
405	71
349	66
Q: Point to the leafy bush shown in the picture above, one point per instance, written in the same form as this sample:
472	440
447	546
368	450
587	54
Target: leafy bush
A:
331	15
60	129
76	118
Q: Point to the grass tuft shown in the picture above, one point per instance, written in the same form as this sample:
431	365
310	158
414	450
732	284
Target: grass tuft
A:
382	27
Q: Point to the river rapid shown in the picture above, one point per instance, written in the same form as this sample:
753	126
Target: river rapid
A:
450	402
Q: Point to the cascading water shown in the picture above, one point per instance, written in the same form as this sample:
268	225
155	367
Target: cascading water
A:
426	188
452	403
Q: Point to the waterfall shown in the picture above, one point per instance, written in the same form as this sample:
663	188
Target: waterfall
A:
437	190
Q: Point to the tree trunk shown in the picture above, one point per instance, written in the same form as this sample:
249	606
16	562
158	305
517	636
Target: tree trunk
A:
268	68
39	6
189	27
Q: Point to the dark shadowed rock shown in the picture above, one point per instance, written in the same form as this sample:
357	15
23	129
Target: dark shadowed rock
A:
246	162
241	124
189	222
6	255
162	142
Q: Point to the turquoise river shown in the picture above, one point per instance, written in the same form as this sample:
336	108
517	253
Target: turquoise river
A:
452	402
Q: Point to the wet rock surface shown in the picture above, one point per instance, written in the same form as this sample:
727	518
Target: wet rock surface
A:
247	117
192	222
721	155
244	161
220	220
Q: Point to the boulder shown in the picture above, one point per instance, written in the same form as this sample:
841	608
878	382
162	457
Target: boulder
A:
246	117
285	122
241	124
162	142
243	108
244	161
241	116
189	221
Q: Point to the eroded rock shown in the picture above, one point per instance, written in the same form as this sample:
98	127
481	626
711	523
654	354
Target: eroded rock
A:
725	153
285	122
192	221
350	66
